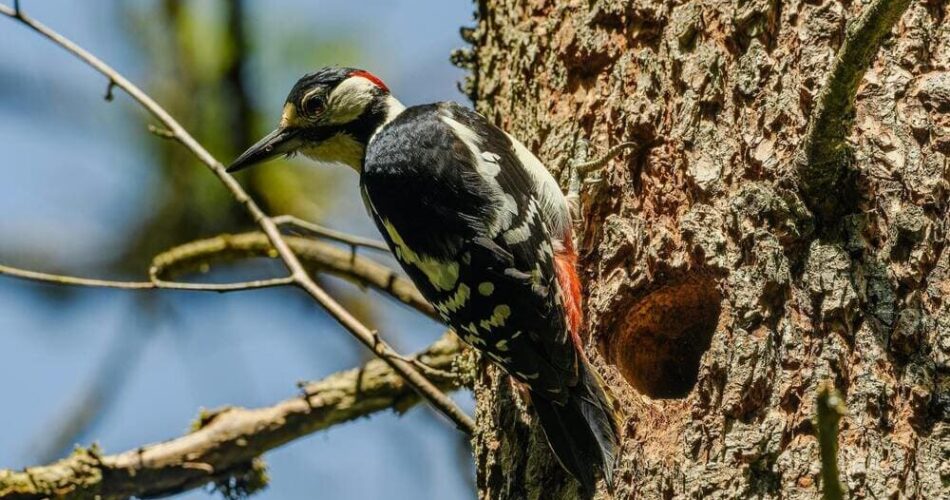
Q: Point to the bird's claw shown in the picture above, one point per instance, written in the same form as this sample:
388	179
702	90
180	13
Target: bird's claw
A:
588	173
594	180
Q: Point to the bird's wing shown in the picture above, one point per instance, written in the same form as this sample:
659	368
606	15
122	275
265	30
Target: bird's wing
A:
479	233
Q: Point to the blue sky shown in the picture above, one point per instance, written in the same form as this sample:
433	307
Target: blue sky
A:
74	186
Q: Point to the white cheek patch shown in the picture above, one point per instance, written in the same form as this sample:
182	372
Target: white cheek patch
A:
349	99
341	148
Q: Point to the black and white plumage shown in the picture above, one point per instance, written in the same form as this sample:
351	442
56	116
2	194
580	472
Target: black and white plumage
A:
464	222
481	228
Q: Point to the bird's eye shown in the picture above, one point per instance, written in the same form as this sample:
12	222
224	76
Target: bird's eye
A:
314	106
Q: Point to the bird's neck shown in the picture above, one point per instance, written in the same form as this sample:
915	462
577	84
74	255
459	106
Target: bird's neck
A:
391	108
347	145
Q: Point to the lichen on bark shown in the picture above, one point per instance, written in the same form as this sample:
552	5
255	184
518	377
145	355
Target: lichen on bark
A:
707	237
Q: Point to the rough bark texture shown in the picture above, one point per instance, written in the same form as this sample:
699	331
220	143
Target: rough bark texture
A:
717	301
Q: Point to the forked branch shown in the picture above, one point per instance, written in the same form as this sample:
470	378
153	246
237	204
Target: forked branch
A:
317	256
297	272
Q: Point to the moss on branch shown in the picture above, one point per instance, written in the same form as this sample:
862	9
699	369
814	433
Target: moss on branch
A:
315	255
825	154
225	446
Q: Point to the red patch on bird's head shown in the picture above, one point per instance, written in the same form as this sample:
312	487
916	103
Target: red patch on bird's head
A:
371	77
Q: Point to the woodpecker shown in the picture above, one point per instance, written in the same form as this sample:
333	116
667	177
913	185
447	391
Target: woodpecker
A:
481	228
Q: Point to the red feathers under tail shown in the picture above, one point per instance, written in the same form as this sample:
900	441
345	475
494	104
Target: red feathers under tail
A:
565	266
582	431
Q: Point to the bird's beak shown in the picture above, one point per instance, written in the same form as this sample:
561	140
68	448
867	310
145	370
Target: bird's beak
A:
279	142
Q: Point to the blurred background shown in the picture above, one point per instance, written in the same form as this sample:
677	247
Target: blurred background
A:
88	191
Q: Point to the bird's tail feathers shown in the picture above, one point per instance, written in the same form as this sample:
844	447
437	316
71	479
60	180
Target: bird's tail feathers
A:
583	431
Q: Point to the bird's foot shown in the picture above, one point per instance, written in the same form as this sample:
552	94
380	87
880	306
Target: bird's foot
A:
586	172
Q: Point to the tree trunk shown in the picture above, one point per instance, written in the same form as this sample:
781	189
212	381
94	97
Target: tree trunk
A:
721	290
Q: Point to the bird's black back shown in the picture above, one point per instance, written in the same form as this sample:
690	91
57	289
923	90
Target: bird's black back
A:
421	180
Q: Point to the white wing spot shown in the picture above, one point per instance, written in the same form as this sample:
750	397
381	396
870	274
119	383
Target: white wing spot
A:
547	249
443	275
502	345
486	288
475	340
498	317
499	359
521	233
457	300
553	204
486	164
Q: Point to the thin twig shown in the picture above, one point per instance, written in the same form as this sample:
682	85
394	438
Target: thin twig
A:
222	441
330	234
317	256
297	271
225	287
60	279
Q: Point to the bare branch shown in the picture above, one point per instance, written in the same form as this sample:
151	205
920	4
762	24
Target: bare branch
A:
59	279
824	154
317	256
267	225
330	234
224	287
228	441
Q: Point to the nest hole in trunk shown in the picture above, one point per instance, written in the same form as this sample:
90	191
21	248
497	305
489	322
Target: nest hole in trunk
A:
660	342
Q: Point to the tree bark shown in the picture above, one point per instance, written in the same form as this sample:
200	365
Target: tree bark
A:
722	286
